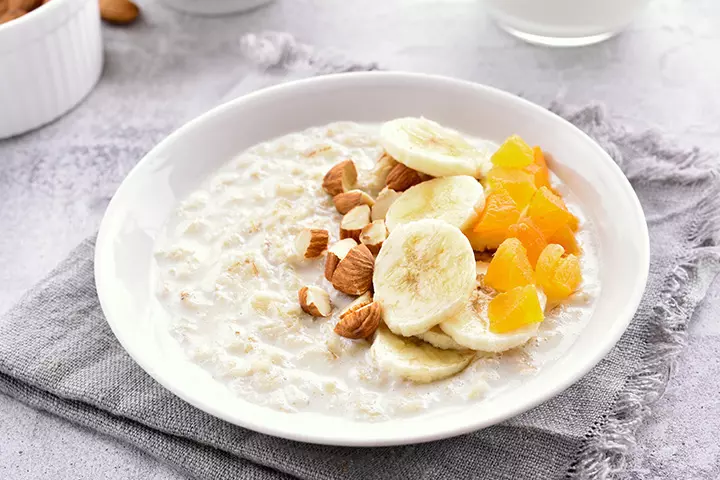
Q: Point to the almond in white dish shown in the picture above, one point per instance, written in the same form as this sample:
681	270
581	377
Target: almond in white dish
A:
365	323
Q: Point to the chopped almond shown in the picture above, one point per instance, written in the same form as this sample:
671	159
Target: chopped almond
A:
344	202
354	221
311	242
360	323
354	272
340	178
402	177
385	198
373	235
315	301
336	253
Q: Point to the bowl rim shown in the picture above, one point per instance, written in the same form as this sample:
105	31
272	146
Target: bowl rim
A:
626	311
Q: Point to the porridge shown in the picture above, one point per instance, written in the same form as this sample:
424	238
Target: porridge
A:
377	271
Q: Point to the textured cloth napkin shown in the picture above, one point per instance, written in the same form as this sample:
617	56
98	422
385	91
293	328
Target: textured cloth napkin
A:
58	354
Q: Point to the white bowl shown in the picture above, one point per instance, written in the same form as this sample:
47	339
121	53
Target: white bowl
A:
178	165
50	59
214	7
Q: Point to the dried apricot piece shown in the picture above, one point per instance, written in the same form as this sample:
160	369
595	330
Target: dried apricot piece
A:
509	267
513	153
566	237
558	276
514	309
492	228
539	169
548	211
531	237
518	183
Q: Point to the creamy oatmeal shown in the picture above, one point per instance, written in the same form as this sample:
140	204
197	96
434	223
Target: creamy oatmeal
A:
228	271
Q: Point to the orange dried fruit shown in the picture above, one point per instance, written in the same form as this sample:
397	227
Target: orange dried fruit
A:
509	267
518	183
492	228
513	153
566	237
531	237
558	276
514	309
539	169
548	211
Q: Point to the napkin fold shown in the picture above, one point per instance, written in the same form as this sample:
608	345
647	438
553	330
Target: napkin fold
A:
58	354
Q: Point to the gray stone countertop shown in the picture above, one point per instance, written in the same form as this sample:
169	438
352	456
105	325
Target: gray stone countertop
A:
662	73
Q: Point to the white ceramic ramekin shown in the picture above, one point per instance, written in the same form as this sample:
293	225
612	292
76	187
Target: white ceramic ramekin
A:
50	59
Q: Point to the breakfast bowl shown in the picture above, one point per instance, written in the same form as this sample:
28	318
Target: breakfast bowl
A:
209	260
50	59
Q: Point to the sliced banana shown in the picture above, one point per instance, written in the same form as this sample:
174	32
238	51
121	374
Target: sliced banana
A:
424	273
437	338
414	359
470	327
455	200
428	147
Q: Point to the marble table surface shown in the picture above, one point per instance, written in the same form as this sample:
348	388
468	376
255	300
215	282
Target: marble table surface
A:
664	73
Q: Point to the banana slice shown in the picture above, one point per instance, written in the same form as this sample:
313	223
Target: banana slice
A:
424	273
430	148
414	359
439	339
470	327
455	200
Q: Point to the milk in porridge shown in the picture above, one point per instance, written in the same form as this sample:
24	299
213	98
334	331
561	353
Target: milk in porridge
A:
227	271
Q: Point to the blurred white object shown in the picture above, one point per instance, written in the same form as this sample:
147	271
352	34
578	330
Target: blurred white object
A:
50	59
214	7
564	22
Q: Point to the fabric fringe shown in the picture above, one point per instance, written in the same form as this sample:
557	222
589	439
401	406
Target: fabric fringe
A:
609	442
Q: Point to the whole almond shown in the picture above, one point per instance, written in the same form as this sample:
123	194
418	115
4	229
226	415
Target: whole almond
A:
402	177
354	273
26	5
120	12
3	7
360	323
11	14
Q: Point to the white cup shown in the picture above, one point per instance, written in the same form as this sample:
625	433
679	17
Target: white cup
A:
564	22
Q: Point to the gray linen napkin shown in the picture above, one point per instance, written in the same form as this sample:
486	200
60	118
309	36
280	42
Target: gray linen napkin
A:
58	354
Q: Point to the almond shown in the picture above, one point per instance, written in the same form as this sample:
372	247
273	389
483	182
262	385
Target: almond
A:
11	15
344	202
401	178
120	12
354	273
26	5
373	235
360	323
354	221
381	170
340	178
385	198
364	299
336	253
311	242
314	301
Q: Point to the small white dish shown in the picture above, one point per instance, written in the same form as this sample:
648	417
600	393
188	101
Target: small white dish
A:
50	59
214	7
178	165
